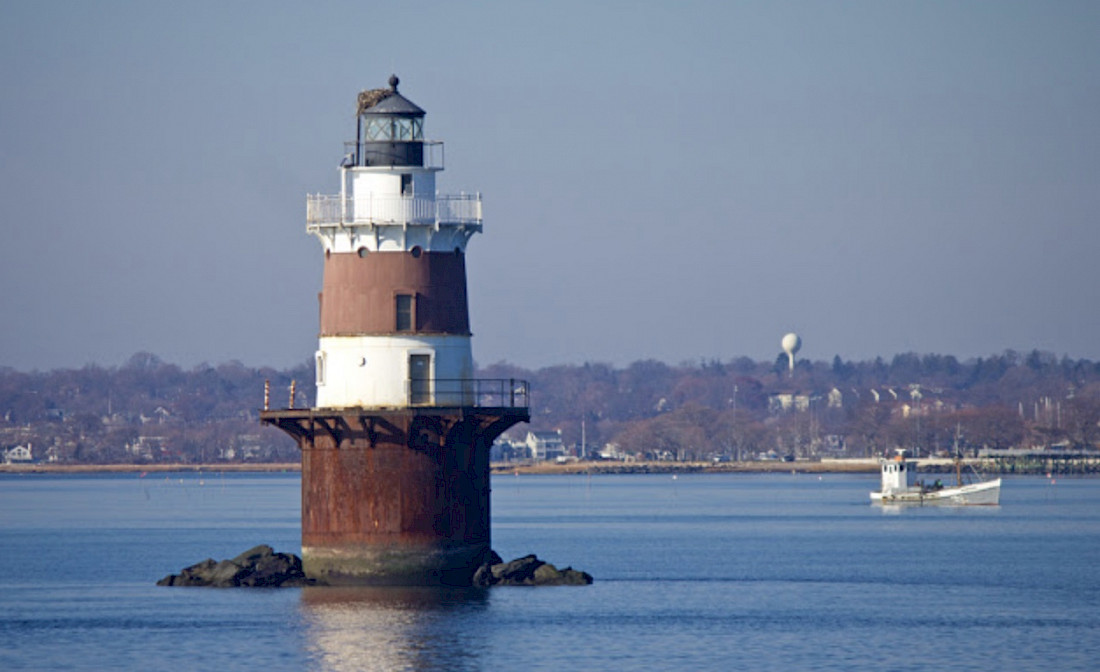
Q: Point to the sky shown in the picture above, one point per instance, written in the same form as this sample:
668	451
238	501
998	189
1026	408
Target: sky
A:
679	181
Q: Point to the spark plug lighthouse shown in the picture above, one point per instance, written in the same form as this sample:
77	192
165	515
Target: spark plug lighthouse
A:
395	453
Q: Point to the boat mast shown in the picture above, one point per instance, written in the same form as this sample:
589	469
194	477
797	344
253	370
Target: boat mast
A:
958	458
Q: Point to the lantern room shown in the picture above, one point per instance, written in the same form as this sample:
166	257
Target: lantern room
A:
390	130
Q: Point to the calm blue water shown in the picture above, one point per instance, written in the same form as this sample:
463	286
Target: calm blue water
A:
712	572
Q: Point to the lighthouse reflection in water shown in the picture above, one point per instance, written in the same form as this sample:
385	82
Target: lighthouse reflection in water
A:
417	628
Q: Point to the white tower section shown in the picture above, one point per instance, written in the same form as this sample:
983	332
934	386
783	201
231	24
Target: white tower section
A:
394	316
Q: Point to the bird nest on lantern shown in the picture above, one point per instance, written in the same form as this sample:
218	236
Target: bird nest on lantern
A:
371	97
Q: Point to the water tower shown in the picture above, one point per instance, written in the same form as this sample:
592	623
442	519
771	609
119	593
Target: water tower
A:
791	344
395	451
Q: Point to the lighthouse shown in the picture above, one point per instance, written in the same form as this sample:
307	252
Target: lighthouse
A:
395	451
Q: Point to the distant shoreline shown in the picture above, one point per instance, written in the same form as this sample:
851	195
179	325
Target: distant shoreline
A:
601	467
146	468
828	466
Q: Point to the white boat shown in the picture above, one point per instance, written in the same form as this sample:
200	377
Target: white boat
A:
900	486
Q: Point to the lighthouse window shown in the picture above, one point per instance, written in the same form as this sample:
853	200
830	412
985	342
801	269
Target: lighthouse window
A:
379	129
402	129
395	128
404	312
406	185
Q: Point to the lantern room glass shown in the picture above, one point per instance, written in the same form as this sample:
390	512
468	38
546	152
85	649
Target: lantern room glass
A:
394	129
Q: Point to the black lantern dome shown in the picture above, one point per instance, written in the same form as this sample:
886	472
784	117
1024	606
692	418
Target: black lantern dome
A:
390	130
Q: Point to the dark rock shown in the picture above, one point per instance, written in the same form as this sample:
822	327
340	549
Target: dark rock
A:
483	577
528	571
549	575
257	567
573	577
517	572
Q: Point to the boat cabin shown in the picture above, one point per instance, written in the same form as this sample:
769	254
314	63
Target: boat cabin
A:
898	474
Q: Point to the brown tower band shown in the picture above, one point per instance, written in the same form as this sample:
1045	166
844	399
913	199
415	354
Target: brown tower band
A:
360	294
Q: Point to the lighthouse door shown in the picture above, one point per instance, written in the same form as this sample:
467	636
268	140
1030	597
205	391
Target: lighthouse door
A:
419	379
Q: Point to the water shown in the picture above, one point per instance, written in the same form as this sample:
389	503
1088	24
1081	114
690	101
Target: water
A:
711	572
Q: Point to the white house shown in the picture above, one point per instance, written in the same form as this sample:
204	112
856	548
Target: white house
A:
545	445
786	402
18	455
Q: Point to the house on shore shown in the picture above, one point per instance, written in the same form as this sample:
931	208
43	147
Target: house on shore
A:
19	455
545	445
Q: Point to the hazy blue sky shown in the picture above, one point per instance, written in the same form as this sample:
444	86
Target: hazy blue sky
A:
661	180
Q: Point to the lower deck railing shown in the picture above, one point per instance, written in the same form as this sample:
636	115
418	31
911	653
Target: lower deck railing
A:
477	392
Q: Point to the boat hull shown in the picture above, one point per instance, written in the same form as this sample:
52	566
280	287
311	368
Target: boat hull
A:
987	493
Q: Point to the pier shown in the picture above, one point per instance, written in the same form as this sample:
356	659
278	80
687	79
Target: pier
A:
1023	461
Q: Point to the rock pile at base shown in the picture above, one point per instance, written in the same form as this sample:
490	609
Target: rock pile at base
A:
527	571
262	567
259	567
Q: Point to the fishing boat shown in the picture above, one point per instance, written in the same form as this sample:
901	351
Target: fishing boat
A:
901	486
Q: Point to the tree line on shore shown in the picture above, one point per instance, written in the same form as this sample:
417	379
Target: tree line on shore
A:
741	409
150	411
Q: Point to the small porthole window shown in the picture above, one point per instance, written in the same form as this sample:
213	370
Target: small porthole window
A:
416	252
362	252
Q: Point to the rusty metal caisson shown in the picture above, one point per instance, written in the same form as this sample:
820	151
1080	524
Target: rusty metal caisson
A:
395	497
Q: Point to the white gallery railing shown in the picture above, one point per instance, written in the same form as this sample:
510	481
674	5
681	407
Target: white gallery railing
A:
444	209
